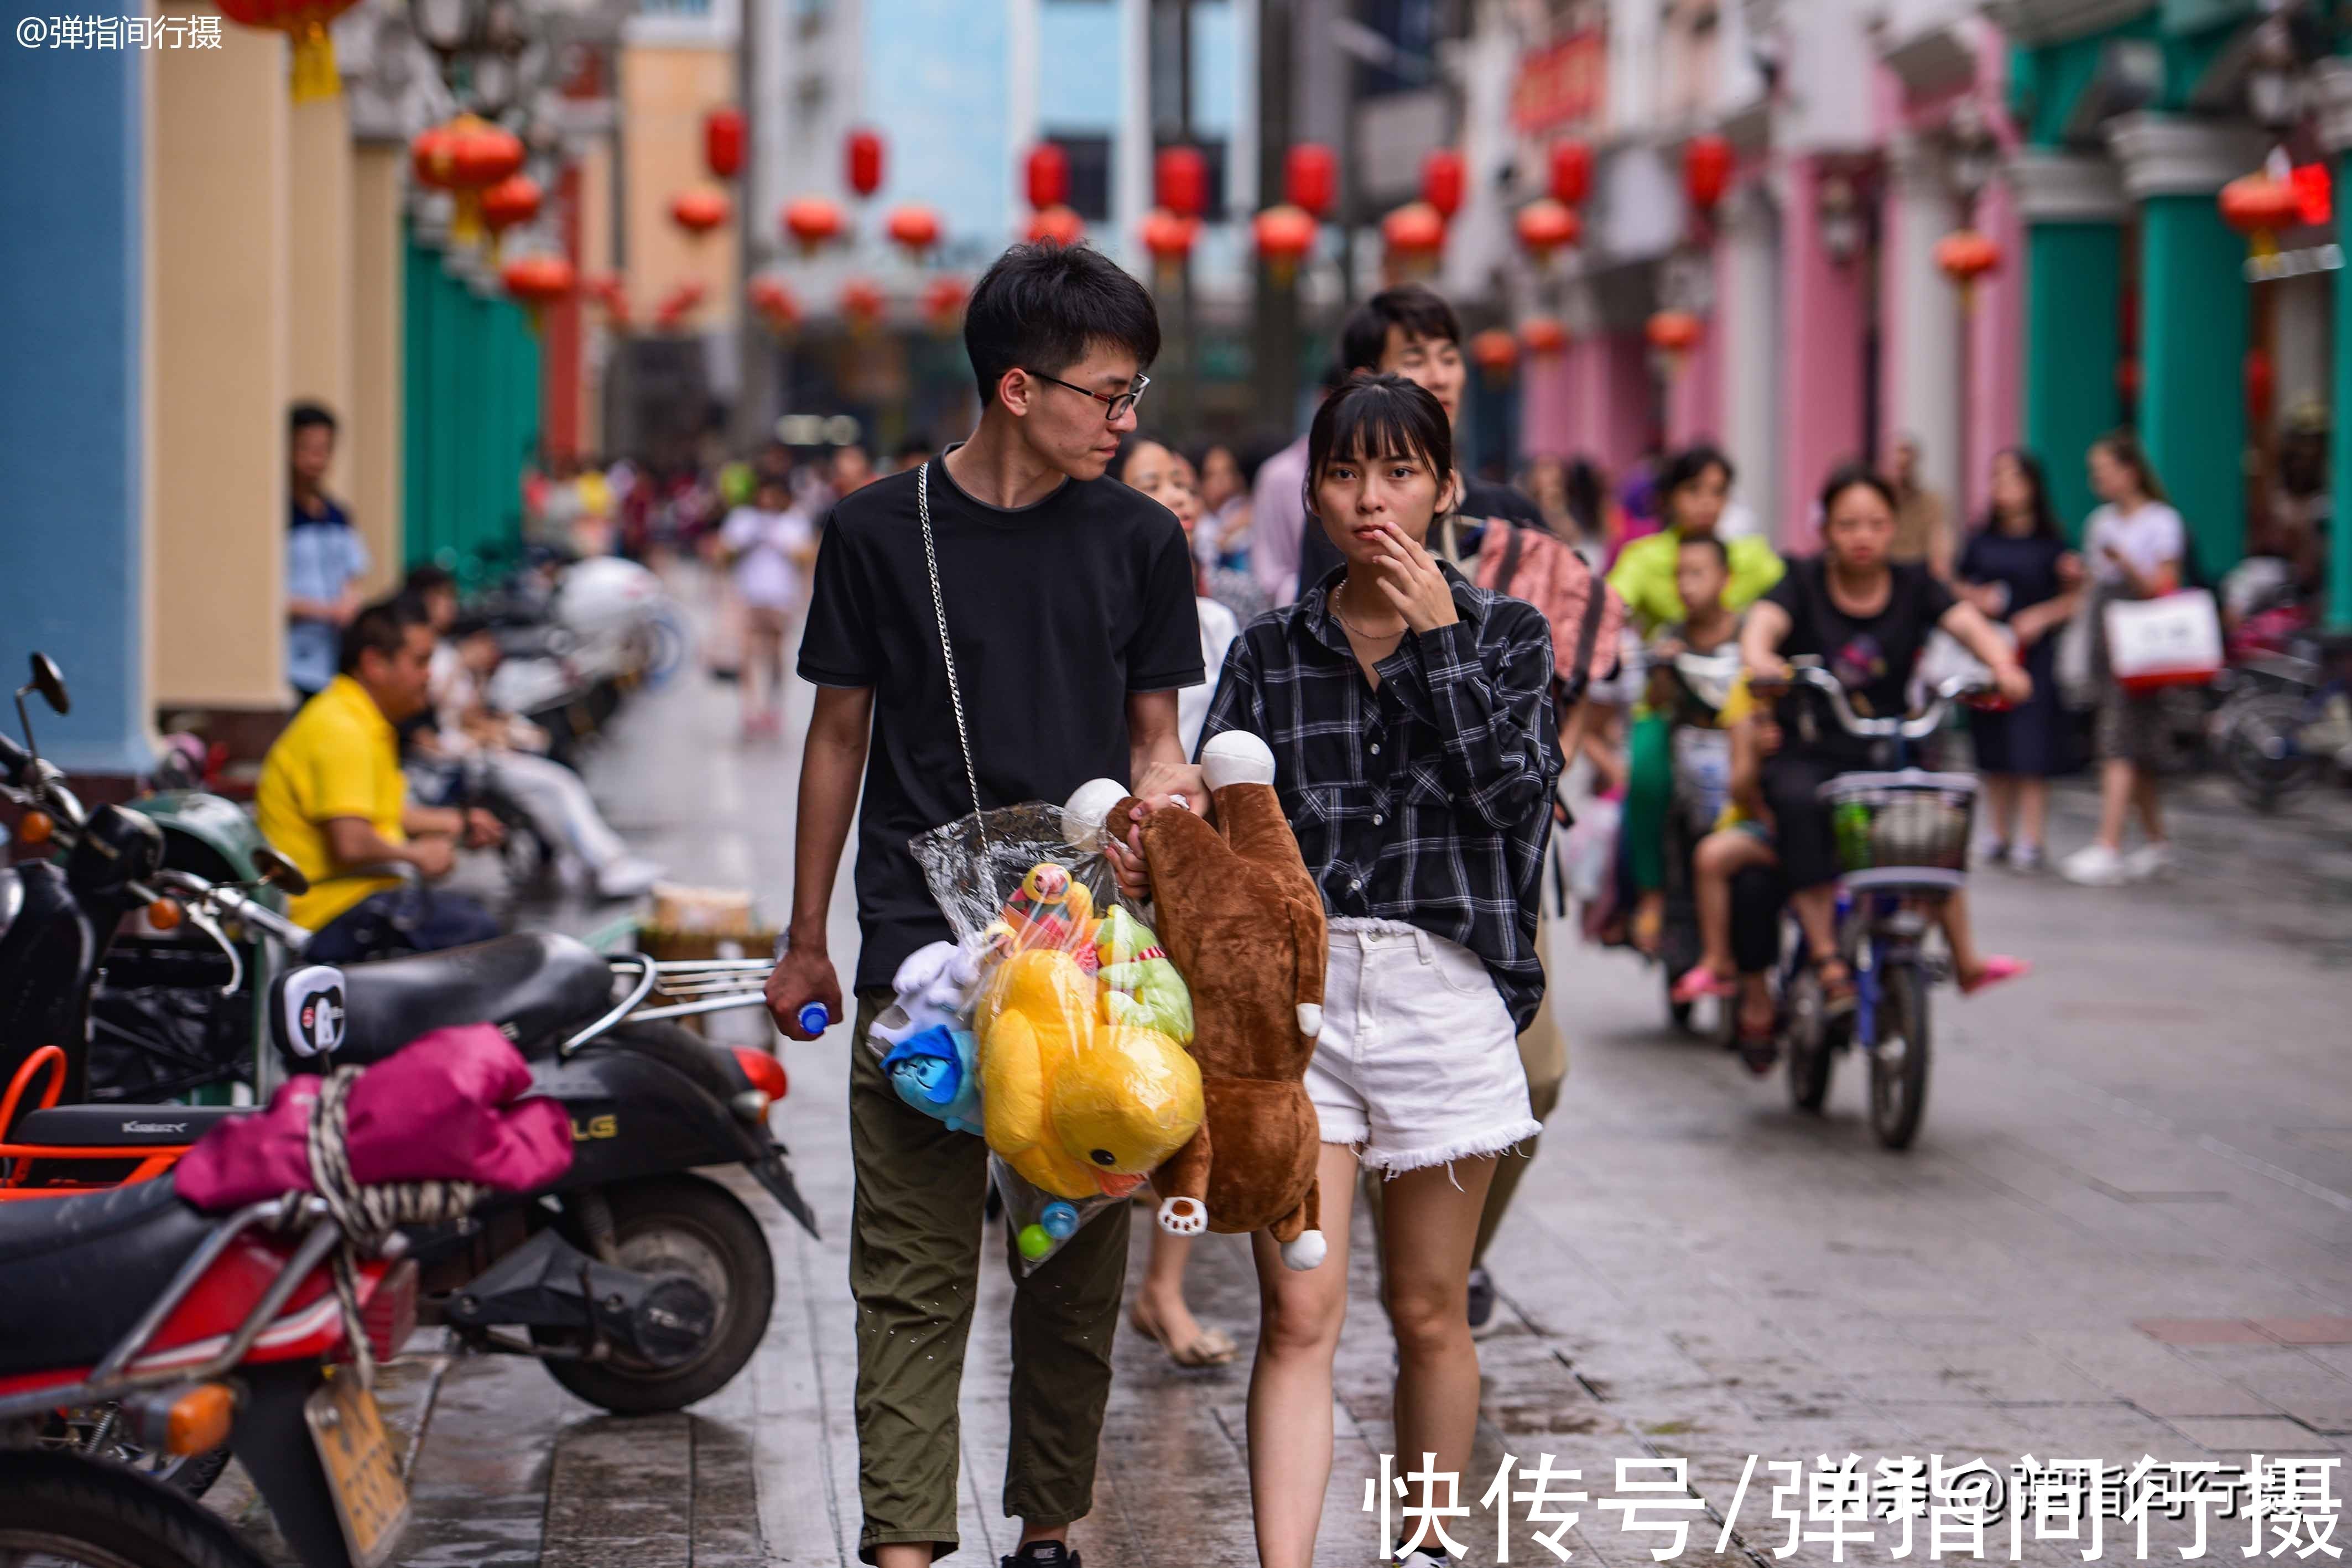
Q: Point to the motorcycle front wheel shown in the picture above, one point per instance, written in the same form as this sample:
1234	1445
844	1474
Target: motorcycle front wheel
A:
1898	1067
683	1225
65	1510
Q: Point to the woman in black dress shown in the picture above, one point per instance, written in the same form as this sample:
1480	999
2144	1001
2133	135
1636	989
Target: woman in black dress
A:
2017	571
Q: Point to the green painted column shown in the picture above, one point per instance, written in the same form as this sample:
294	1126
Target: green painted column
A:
2194	313
2072	209
2074	344
472	368
2332	85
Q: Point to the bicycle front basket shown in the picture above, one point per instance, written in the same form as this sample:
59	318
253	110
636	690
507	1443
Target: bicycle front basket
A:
1906	830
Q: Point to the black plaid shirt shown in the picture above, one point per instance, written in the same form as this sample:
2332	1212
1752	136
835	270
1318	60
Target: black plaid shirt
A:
1428	802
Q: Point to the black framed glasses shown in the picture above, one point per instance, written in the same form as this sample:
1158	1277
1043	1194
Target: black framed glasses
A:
1116	403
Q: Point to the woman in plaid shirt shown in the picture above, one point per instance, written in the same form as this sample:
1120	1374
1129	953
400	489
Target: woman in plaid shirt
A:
1415	749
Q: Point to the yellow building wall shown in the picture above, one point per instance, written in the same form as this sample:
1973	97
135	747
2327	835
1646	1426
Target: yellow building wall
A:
665	92
596	261
372	460
319	239
217	212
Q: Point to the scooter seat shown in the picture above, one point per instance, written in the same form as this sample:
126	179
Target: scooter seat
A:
118	1126
532	984
80	1270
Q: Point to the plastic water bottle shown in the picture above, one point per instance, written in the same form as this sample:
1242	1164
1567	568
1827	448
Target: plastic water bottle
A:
815	1017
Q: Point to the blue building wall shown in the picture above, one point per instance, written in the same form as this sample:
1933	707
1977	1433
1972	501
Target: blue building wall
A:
935	74
71	547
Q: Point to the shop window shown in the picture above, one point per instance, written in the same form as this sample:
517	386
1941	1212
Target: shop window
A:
1089	158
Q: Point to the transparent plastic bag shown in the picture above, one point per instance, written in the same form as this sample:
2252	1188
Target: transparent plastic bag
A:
1080	1022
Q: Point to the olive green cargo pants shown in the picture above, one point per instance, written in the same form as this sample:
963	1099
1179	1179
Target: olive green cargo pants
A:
914	1272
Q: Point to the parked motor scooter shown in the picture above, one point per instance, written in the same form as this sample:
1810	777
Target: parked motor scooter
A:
582	1275
196	1333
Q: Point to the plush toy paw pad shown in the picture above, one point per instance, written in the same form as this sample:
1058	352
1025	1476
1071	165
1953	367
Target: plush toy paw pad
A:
1184	1216
1307	1252
1310	1020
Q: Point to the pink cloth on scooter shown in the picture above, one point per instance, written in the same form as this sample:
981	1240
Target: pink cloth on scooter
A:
453	1105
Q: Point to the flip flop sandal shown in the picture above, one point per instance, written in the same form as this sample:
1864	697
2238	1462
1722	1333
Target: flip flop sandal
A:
1838	997
1698	981
1999	968
1210	1347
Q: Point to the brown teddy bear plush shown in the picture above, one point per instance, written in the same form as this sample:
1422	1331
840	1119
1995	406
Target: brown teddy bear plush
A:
1237	913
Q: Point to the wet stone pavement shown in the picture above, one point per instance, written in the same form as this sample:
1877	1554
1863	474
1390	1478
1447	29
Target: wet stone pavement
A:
2125	1230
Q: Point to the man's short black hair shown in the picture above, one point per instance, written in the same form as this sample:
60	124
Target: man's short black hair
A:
382	626
428	579
1042	307
914	446
303	416
1416	308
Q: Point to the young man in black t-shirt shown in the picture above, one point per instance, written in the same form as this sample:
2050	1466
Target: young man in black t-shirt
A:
1068	601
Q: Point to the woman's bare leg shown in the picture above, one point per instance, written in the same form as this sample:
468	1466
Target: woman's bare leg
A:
1290	1381
2033	812
1429	1225
2118	780
1720	857
2000	805
2150	804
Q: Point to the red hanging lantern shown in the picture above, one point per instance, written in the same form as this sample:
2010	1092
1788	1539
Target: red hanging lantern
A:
1310	178
1546	225
465	156
773	301
862	302
1964	255
1674	333
513	200
1443	181
2258	206
1415	231
1056	225
1286	236
538	280
1544	335
1180	181
863	153
914	226
679	304
1047	176
1706	170
699	210
722	143
1571	171
943	299
305	22
1169	237
1495	352
811	221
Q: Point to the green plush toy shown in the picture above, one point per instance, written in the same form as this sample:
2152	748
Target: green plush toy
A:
1139	985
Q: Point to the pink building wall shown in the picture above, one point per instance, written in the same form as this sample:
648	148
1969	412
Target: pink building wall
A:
1543	406
1694	397
1821	304
1994	337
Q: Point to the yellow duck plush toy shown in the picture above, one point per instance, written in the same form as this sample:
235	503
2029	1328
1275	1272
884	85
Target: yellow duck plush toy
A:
1080	1109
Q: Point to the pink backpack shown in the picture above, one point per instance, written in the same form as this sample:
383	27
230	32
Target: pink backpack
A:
1586	614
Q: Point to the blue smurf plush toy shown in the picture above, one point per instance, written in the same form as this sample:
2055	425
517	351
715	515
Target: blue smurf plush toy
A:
930	1058
933	1072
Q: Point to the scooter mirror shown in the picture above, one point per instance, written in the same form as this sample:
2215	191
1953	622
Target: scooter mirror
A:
277	870
50	685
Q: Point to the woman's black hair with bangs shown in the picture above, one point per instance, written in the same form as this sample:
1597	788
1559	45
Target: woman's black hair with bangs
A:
1373	416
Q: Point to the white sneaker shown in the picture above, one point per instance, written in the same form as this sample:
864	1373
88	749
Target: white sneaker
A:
2095	865
2149	862
626	878
2029	859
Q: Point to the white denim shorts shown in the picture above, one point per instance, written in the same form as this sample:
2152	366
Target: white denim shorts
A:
1418	1063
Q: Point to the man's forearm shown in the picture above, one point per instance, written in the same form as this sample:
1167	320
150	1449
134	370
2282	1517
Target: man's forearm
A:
415	820
831	767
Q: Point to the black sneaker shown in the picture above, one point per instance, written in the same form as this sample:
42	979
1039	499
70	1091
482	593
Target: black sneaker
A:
1041	1554
1482	1300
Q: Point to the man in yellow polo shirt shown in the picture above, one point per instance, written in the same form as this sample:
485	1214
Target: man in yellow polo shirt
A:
333	800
